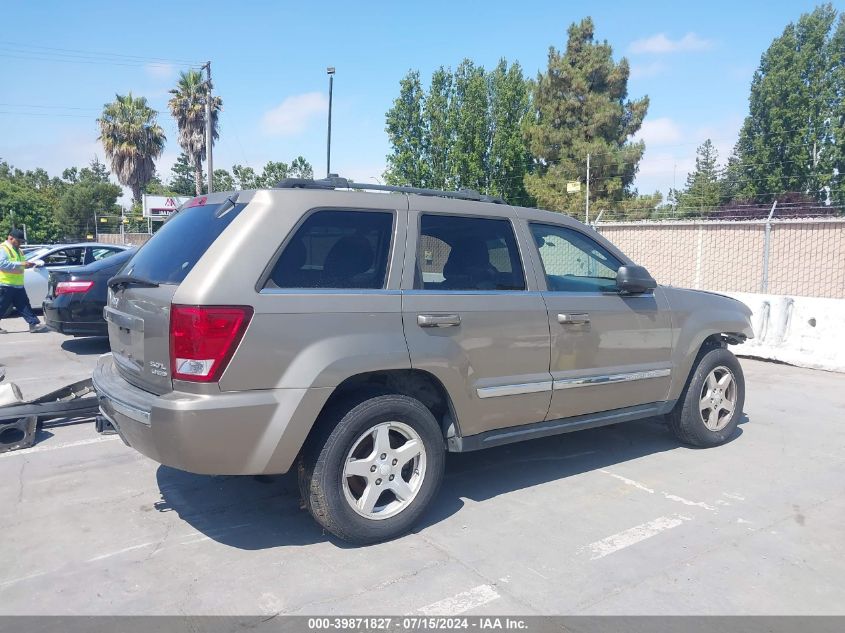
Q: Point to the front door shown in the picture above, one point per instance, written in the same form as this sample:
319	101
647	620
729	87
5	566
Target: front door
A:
609	351
473	317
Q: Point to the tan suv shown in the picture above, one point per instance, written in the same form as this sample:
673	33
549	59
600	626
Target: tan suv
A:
360	335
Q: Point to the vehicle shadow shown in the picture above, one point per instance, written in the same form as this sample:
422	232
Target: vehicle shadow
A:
87	346
262	512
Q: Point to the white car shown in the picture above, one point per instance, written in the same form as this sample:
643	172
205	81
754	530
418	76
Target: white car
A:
61	256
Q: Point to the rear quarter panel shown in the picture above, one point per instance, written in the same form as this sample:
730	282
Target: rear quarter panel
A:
300	338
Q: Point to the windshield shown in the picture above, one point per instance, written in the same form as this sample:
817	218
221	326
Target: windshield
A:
178	245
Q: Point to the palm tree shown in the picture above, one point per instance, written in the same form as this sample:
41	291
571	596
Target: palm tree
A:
187	105
132	140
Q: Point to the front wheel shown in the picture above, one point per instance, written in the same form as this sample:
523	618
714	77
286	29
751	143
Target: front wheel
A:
710	407
375	473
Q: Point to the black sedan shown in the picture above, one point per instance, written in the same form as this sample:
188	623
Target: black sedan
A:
76	298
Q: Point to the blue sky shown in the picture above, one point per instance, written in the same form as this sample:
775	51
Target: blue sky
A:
694	60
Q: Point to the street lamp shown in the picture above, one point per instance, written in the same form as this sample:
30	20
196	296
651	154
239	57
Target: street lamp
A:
330	73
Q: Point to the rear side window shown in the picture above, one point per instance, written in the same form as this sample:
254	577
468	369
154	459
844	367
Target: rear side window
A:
177	246
115	261
468	253
336	249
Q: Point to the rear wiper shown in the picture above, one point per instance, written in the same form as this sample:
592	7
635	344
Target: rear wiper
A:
126	280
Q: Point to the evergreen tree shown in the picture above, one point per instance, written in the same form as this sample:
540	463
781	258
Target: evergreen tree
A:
182	181
788	141
580	106
703	189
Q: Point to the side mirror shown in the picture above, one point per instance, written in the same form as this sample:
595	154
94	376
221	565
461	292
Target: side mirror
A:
634	280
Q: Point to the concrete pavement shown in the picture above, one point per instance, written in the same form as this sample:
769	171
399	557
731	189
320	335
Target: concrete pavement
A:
619	520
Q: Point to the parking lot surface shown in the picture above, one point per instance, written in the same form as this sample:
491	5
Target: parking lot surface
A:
618	520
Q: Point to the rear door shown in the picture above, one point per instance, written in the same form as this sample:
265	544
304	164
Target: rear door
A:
138	312
473	317
609	351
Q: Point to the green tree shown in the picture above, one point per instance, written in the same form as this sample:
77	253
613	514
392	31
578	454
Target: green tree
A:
29	198
273	172
244	177
787	142
223	180
183	179
580	107
405	130
509	158
465	132
300	168
438	129
132	140
187	105
836	64
470	121
80	205
704	185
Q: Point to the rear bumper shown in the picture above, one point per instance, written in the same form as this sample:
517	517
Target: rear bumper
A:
230	433
61	320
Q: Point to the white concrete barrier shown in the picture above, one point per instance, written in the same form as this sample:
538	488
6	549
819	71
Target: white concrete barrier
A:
803	331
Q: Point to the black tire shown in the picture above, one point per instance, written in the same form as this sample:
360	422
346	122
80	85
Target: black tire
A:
686	419
321	480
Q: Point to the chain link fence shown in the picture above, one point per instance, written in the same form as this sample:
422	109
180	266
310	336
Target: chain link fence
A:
795	256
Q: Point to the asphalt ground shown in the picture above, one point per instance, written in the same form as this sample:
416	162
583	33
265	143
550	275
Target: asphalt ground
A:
618	520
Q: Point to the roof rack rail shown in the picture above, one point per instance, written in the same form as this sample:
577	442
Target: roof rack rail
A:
336	182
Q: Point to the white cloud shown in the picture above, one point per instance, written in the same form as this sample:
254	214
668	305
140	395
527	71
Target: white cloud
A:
661	44
652	69
294	114
160	70
660	131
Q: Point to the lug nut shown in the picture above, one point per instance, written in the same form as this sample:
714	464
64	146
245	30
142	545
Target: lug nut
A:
378	482
391	478
384	455
395	461
373	468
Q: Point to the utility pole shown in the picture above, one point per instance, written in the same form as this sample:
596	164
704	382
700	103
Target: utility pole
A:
330	73
587	216
208	139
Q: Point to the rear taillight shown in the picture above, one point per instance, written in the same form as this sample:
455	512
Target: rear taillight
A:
203	339
70	287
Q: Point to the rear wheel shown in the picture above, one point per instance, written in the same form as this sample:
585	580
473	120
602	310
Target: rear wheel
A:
709	409
371	478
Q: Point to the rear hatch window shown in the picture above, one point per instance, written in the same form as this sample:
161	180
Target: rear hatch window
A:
174	250
138	311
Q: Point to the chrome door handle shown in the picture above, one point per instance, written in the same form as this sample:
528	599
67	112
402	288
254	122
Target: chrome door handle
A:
438	320
580	318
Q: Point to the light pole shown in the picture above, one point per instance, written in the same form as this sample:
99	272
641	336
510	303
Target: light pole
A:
208	139
330	73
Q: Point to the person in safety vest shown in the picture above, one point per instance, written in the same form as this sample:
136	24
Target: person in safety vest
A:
12	291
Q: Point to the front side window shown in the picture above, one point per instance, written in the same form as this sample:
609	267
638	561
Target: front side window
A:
336	249
468	253
573	262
